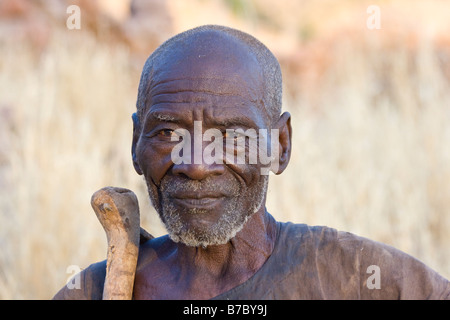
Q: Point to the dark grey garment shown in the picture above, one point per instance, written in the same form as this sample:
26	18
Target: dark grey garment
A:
317	263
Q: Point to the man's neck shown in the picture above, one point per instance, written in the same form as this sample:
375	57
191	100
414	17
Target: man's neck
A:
203	273
238	259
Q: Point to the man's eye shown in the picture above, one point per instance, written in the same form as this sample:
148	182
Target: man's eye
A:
233	136
167	133
228	135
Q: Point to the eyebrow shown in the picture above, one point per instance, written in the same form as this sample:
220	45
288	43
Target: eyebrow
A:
164	117
217	121
235	121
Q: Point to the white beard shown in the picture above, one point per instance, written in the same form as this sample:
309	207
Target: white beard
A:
232	220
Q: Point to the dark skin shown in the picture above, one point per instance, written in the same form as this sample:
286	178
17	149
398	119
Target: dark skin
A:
219	84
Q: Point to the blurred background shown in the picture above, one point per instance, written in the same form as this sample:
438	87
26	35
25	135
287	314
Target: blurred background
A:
369	101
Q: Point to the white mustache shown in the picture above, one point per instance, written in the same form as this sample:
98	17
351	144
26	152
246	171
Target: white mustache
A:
177	185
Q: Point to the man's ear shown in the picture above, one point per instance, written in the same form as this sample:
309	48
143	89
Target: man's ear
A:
284	137
136	133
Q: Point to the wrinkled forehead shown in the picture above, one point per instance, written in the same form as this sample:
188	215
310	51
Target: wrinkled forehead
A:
212	62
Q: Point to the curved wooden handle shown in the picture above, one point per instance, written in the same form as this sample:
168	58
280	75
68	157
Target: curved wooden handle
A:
117	209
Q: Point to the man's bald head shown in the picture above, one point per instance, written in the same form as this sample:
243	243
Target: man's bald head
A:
232	46
229	83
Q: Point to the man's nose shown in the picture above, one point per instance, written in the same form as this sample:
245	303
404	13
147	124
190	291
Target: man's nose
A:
198	171
201	164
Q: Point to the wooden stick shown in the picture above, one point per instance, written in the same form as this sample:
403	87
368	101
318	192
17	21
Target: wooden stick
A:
118	211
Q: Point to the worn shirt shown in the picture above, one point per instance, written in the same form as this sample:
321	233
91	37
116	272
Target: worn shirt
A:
316	263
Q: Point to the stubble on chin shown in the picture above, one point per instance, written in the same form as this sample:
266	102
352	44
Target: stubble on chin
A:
239	207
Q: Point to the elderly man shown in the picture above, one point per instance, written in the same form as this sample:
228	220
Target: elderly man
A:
222	243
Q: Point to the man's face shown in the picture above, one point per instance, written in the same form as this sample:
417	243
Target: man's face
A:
218	87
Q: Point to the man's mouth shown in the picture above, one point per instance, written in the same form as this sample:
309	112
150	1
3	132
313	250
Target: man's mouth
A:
198	200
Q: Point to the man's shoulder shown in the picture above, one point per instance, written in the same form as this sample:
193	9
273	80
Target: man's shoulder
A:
336	243
308	235
323	237
89	283
153	249
86	285
343	257
320	242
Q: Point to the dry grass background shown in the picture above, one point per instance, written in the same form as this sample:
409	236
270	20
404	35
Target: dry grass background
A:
371	117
